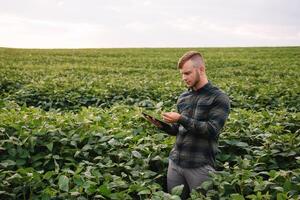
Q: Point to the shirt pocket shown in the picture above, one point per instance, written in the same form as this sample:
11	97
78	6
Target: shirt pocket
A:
184	108
203	108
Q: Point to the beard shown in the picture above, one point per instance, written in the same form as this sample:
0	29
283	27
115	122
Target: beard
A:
196	81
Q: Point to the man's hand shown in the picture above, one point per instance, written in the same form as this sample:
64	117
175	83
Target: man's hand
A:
171	117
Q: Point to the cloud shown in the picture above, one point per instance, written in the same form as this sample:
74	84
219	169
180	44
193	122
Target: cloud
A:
25	32
197	24
60	3
141	27
267	32
147	3
115	9
132	23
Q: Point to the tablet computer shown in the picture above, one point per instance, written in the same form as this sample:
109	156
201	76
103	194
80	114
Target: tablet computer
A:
156	122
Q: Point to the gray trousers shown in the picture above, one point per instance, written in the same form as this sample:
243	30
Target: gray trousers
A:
191	178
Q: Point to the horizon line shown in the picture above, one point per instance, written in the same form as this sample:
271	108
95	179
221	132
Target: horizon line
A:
158	47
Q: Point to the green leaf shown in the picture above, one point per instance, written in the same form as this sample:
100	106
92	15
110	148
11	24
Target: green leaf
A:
98	196
177	190
46	197
86	147
175	197
20	162
50	191
136	154
78	180
15	176
12	152
6	163
146	191
281	196
39	156
278	188
236	197
81	198
75	193
104	190
48	175
23	153
50	146
287	185
237	143
206	184
159	105
113	142
63	183
56	166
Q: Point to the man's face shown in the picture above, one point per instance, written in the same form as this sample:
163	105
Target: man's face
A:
190	74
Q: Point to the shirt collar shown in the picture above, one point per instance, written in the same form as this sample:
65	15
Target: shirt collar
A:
206	87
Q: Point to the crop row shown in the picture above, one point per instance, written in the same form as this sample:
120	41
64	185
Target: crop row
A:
71	124
73	79
97	154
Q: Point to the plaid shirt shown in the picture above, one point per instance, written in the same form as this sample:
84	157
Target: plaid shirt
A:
203	114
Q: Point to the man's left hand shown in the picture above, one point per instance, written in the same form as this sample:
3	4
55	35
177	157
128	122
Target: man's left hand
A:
171	117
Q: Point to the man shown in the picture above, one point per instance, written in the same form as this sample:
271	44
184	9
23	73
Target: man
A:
202	112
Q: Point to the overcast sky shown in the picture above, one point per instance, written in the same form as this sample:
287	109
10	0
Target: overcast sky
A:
148	23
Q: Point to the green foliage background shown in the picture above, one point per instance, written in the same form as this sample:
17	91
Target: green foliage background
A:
71	125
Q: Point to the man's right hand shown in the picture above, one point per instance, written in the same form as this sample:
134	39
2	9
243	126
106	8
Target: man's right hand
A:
171	117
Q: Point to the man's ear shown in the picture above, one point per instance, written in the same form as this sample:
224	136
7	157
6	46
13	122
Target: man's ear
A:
202	69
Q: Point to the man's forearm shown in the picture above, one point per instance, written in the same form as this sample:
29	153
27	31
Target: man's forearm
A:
171	130
209	128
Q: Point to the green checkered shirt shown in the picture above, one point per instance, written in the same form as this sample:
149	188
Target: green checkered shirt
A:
203	114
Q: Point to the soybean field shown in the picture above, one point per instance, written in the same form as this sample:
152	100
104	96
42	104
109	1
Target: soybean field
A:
71	124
